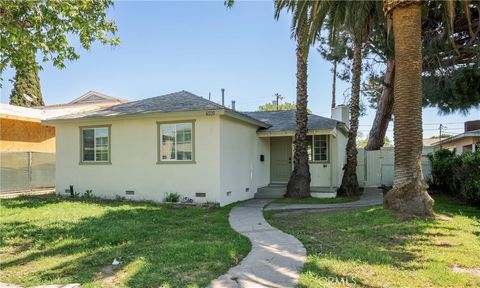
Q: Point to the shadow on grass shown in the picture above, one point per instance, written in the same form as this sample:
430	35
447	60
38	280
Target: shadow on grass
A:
370	236
156	245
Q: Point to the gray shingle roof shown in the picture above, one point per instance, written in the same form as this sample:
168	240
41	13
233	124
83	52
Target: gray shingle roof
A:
286	121
184	101
181	101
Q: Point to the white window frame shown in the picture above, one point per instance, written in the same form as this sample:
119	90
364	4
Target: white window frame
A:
95	161
160	142
327	140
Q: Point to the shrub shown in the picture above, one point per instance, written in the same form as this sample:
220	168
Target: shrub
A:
171	197
457	175
88	194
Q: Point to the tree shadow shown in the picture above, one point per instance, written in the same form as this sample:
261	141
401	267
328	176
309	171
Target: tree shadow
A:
370	236
175	247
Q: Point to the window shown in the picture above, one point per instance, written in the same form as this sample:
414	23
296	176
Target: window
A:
95	143
318	148
176	142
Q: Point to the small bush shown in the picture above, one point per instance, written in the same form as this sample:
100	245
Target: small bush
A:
172	197
457	175
88	194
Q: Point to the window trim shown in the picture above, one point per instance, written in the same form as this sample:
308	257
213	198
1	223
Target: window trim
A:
159	142
328	149
109	161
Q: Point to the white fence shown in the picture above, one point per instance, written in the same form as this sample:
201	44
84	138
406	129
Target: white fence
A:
376	168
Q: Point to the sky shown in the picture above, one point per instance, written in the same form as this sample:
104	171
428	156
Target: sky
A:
201	47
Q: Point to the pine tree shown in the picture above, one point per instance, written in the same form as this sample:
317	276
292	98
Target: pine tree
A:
26	90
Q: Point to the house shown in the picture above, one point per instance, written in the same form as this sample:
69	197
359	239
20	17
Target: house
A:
467	141
430	142
184	143
22	130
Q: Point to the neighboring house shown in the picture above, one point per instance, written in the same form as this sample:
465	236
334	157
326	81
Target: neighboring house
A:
430	142
21	128
184	143
467	141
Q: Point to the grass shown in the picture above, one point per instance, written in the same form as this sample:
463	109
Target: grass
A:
370	247
47	240
317	200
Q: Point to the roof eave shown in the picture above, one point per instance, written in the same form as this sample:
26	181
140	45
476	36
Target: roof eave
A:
245	118
206	112
292	133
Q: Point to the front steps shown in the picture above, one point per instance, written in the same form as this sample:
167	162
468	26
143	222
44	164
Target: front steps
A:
272	191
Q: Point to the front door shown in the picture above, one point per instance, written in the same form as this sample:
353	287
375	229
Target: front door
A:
280	159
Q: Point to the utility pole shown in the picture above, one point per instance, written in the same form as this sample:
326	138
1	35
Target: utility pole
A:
440	135
279	97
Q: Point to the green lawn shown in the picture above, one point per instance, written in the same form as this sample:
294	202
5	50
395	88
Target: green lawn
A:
317	200
372	248
48	240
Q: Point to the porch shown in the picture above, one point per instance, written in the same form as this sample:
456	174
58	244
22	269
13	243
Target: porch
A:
324	167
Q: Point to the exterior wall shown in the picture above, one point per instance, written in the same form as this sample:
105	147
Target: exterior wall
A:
341	145
240	165
134	153
459	144
329	174
19	136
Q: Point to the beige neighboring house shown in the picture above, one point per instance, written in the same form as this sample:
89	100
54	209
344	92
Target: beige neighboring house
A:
21	128
187	144
430	142
467	141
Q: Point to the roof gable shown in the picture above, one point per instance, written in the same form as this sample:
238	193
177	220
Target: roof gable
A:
95	97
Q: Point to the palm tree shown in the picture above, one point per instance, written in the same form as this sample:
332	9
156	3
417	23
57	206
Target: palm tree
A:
299	183
409	193
357	18
309	17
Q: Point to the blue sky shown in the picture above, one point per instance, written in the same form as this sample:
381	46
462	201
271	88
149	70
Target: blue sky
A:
202	47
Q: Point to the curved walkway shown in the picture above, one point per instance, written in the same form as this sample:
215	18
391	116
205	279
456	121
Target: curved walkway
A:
276	258
370	197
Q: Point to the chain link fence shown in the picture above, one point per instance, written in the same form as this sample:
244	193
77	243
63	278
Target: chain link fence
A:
23	171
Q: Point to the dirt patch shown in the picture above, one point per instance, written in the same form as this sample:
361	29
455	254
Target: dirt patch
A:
107	275
443	217
471	271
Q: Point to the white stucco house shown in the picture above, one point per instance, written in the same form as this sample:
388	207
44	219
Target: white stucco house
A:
184	143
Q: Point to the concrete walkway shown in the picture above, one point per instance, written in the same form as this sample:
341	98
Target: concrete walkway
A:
370	197
276	258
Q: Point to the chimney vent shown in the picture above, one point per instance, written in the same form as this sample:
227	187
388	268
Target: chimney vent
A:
233	104
472	125
341	113
223	96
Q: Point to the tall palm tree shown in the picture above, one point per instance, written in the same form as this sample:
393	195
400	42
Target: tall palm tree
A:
299	183
409	193
308	19
357	18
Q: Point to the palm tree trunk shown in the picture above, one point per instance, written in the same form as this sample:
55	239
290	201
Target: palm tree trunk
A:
334	83
409	193
349	181
299	183
383	116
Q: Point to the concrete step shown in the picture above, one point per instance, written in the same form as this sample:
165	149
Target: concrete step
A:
271	192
